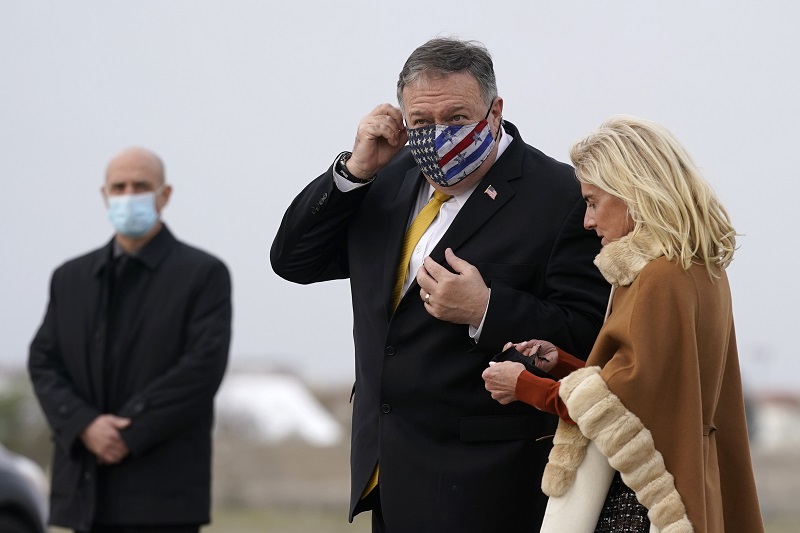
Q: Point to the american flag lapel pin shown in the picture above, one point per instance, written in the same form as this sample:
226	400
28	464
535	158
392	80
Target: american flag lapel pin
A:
491	192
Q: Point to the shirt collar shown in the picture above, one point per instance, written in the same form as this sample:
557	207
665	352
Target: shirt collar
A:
150	255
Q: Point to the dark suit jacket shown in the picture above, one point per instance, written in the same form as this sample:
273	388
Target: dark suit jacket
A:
154	349
451	458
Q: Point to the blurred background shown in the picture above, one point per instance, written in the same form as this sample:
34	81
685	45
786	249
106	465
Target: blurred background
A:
246	101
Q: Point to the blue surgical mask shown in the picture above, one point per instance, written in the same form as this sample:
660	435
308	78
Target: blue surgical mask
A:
448	154
133	215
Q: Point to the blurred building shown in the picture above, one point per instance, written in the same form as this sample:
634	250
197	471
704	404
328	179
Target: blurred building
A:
271	407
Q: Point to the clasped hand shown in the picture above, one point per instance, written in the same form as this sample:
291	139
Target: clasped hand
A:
103	439
544	354
501	378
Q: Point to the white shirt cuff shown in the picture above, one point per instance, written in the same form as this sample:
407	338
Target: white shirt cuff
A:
475	333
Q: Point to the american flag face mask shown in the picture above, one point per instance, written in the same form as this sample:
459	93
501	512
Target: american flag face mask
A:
448	154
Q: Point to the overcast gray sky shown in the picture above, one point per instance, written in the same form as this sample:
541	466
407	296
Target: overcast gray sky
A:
247	101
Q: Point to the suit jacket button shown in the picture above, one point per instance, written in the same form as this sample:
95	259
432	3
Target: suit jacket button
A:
385	408
138	407
389	350
63	409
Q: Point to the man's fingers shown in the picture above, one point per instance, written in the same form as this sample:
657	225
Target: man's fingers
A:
424	279
119	422
385	121
459	265
434	269
387	128
438	272
389	110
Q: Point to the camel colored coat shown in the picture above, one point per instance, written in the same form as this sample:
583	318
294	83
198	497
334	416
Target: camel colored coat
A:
661	397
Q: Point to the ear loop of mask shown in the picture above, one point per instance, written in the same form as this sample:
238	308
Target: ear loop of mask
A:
488	110
500	128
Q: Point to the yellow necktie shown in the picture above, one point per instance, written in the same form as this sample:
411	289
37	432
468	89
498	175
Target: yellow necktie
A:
413	235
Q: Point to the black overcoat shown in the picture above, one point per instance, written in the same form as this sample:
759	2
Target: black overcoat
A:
451	458
154	350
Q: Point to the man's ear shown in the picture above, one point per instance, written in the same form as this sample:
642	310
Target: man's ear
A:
163	199
497	108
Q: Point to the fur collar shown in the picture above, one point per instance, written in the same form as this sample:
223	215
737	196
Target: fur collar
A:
622	260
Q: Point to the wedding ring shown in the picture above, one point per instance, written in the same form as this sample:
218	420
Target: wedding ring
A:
428	298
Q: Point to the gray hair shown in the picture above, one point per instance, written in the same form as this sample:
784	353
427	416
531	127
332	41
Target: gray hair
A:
443	56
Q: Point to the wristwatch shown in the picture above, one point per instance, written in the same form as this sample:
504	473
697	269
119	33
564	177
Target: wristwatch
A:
340	168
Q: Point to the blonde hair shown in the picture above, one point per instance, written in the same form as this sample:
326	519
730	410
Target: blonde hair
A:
643	164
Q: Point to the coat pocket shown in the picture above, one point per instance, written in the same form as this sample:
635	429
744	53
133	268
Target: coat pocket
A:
493	428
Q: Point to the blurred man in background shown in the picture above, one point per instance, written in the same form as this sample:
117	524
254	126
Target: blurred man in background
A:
126	363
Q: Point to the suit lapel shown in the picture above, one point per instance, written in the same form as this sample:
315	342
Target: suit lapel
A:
98	322
476	212
402	206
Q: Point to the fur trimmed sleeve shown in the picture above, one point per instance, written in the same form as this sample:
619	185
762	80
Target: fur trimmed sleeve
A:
621	437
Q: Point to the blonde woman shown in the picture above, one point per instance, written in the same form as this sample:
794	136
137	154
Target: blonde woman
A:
652	435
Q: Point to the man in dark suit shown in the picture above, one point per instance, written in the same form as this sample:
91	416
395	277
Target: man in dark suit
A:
126	363
505	257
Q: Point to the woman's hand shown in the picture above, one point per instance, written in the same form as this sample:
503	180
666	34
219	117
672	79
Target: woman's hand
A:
543	353
501	380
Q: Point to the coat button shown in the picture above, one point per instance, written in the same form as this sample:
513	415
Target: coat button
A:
138	407
385	408
389	350
63	409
